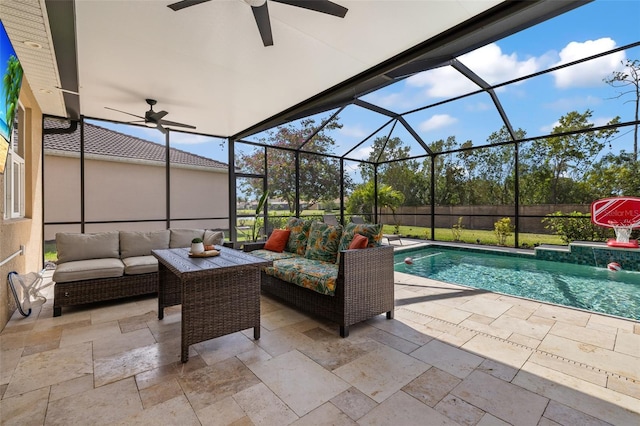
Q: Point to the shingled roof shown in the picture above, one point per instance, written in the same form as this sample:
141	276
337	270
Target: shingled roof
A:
109	143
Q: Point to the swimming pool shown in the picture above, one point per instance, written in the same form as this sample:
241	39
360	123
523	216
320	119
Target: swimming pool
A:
579	286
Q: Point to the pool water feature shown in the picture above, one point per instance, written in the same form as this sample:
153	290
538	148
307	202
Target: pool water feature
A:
585	287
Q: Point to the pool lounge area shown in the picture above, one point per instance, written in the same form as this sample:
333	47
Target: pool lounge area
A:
452	355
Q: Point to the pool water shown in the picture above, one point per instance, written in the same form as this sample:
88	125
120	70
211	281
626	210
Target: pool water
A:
594	289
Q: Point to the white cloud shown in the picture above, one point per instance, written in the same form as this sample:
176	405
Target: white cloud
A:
591	73
355	131
488	62
437	121
601	121
574	103
479	106
549	127
362	153
494	66
401	100
188	139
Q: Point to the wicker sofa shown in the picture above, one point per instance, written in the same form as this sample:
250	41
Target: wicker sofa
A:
362	281
113	265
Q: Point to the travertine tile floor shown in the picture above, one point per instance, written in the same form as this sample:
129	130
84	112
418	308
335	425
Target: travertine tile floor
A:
452	355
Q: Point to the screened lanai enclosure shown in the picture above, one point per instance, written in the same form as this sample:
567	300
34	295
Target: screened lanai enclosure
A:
501	134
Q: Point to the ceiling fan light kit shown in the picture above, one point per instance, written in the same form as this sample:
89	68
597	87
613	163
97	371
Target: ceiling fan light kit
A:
261	12
255	3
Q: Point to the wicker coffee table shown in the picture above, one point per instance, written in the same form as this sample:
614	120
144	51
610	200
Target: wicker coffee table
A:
219	295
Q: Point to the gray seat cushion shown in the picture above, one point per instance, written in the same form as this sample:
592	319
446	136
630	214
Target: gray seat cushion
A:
74	246
140	265
88	269
183	237
134	243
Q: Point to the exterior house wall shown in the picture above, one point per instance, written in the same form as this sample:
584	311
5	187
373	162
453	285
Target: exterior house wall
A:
26	231
130	190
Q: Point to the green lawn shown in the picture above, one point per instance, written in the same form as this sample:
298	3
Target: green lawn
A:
472	236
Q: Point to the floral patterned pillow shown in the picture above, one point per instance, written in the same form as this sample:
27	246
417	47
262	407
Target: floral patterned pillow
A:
299	235
372	231
323	242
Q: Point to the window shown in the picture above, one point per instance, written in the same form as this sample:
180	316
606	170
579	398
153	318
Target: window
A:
14	175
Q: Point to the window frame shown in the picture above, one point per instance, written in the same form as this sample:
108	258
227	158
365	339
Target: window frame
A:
15	170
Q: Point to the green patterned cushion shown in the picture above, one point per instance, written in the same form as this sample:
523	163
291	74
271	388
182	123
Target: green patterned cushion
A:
272	255
311	274
299	235
372	231
323	242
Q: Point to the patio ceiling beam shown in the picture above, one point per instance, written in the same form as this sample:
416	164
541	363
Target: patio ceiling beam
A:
417	67
375	108
386	141
367	138
415	135
322	126
399	117
476	79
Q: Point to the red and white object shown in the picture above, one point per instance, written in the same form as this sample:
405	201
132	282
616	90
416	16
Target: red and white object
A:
620	213
614	266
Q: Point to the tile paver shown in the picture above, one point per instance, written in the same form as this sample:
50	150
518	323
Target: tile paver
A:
452	355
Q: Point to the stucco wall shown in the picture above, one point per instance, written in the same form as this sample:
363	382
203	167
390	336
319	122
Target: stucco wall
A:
27	231
118	190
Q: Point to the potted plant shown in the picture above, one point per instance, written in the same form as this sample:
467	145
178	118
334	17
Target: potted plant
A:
197	246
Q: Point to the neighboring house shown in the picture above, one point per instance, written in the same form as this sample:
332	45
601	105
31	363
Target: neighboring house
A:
125	181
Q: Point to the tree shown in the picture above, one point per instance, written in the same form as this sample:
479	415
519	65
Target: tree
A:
450	173
493	171
614	175
629	78
561	161
319	175
362	199
11	82
404	176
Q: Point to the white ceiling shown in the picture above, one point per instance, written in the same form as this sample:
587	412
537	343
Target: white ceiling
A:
206	64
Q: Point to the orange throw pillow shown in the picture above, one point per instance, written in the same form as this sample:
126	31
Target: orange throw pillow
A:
278	240
359	242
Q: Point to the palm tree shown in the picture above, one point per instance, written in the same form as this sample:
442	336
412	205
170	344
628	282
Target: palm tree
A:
11	81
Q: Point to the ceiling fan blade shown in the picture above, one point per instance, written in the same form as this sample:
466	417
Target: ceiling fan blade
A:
155	116
323	6
174	124
185	3
124	112
162	129
261	13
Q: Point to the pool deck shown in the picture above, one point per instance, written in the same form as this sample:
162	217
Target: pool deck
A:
452	356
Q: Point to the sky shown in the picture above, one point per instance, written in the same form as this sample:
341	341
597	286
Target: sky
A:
534	105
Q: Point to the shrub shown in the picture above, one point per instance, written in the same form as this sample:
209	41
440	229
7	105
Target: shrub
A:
503	229
576	227
456	229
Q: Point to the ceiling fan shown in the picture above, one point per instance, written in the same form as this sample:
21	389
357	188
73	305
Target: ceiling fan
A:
261	13
154	117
